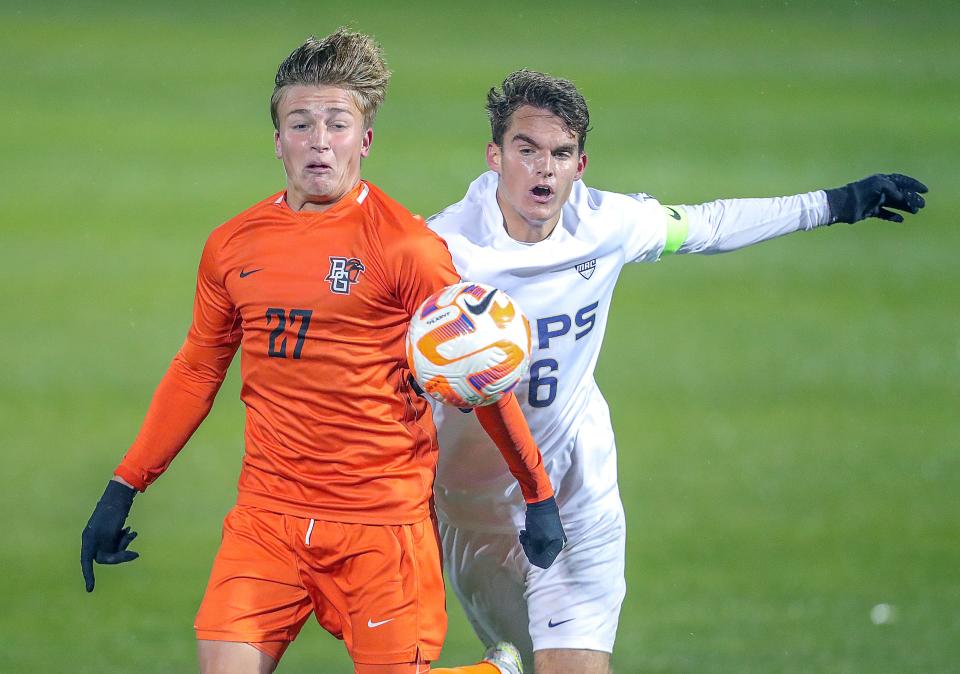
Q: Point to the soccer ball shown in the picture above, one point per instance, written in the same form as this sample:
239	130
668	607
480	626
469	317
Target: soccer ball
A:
468	345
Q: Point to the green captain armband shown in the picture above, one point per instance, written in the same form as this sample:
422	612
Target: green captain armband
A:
677	229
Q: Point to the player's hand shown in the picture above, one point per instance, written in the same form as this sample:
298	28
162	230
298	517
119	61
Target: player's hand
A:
873	196
543	538
104	539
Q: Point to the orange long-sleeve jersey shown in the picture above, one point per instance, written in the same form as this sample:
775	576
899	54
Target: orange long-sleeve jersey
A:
318	303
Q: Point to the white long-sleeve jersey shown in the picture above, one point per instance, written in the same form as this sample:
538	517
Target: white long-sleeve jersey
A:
564	284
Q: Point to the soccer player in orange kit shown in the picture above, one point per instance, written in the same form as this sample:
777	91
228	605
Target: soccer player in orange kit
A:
316	286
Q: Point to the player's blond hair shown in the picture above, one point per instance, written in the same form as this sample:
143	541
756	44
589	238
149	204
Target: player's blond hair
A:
539	90
351	61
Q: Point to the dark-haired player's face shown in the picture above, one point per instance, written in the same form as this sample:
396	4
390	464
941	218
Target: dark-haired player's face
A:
538	163
321	140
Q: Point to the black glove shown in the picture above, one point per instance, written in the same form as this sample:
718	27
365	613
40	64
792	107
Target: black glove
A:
543	538
104	539
866	198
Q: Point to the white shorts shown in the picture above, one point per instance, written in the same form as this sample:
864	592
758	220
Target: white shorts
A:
573	604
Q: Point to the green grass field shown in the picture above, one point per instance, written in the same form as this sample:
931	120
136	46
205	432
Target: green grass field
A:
788	417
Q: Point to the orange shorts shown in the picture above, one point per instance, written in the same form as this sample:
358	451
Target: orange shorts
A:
377	587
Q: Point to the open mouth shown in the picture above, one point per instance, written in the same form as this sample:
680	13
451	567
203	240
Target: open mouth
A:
541	193
318	167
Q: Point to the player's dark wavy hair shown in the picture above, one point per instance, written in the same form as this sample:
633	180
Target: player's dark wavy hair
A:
529	87
352	61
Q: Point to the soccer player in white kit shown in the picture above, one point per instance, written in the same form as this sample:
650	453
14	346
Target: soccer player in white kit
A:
531	227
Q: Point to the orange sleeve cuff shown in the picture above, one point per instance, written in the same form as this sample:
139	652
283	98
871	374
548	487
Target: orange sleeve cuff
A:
130	476
506	426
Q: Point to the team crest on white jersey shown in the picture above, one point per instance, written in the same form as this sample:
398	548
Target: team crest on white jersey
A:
344	272
587	268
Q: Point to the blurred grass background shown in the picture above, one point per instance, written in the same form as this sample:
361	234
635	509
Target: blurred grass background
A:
787	416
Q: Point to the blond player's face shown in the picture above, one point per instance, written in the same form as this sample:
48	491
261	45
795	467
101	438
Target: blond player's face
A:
321	140
538	164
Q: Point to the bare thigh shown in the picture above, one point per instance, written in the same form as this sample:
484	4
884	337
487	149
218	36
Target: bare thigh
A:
232	657
571	661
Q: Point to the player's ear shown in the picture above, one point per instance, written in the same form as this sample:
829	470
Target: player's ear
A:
278	153
494	153
366	143
581	165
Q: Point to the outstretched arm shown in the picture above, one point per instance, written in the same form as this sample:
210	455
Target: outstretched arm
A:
181	401
504	423
730	224
542	538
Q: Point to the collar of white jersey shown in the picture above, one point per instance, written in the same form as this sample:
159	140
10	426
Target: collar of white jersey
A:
484	191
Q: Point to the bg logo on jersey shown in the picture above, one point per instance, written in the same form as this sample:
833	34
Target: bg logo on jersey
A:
344	272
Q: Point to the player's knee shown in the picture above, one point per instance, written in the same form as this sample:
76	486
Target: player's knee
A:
233	657
571	661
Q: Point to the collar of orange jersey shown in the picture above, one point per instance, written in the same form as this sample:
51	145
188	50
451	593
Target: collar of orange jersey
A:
356	195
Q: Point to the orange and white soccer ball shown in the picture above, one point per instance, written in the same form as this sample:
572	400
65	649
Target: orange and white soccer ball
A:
468	345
